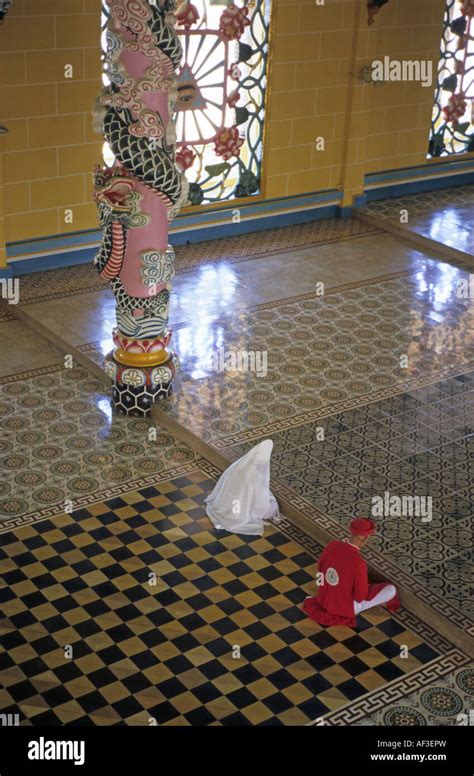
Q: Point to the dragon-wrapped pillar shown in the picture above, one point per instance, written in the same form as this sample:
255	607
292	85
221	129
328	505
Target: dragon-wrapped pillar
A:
4	6
138	195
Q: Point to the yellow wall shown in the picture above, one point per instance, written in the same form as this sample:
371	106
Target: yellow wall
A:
315	90
308	92
317	52
401	112
50	150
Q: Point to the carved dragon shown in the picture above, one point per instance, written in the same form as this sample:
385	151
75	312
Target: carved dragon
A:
138	195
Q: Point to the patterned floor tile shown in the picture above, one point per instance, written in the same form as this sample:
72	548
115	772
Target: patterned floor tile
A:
388	450
452	579
335	357
347	423
445	701
168	618
60	443
57	283
440	215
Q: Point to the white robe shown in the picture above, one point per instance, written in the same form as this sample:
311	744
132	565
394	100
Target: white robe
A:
242	499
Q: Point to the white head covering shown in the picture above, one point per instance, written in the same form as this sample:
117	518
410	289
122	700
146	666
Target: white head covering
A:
242	499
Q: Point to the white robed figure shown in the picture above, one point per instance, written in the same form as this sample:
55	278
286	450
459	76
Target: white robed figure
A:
242	500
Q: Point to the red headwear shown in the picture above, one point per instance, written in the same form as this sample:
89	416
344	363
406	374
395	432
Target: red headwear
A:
362	526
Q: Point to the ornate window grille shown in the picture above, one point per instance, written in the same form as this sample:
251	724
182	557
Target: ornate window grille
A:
221	96
452	126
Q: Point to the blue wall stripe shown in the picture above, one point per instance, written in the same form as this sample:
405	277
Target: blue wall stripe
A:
419	186
85	255
267	214
183	221
431	170
52	261
53	242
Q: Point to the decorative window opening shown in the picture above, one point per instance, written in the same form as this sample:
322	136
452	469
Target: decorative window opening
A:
452	126
220	104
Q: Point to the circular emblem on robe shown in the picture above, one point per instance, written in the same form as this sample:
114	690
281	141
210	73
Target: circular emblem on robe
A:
332	577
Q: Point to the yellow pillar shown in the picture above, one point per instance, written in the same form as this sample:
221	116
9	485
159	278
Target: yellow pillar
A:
359	106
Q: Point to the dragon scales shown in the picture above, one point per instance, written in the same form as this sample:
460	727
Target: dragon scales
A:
138	195
4	6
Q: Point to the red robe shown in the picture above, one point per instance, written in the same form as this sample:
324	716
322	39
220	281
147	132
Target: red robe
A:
345	581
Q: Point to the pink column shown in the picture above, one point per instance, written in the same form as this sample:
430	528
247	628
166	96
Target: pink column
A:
138	195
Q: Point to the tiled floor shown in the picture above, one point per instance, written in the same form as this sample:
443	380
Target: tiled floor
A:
215	290
34	352
136	608
60	443
80	279
136	491
446	701
405	446
323	351
327	356
444	215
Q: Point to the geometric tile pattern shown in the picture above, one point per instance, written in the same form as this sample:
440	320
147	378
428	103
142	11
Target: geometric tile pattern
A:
81	579
136	608
421	698
273	427
54	284
421	426
325	350
59	441
419	443
423	203
136	401
5	313
442	215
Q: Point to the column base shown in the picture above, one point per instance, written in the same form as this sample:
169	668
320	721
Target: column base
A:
136	389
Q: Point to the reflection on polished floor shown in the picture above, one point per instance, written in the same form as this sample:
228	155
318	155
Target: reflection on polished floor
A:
444	216
60	441
404	430
323	351
382	361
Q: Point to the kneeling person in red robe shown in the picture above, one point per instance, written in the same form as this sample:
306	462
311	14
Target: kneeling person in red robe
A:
345	590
